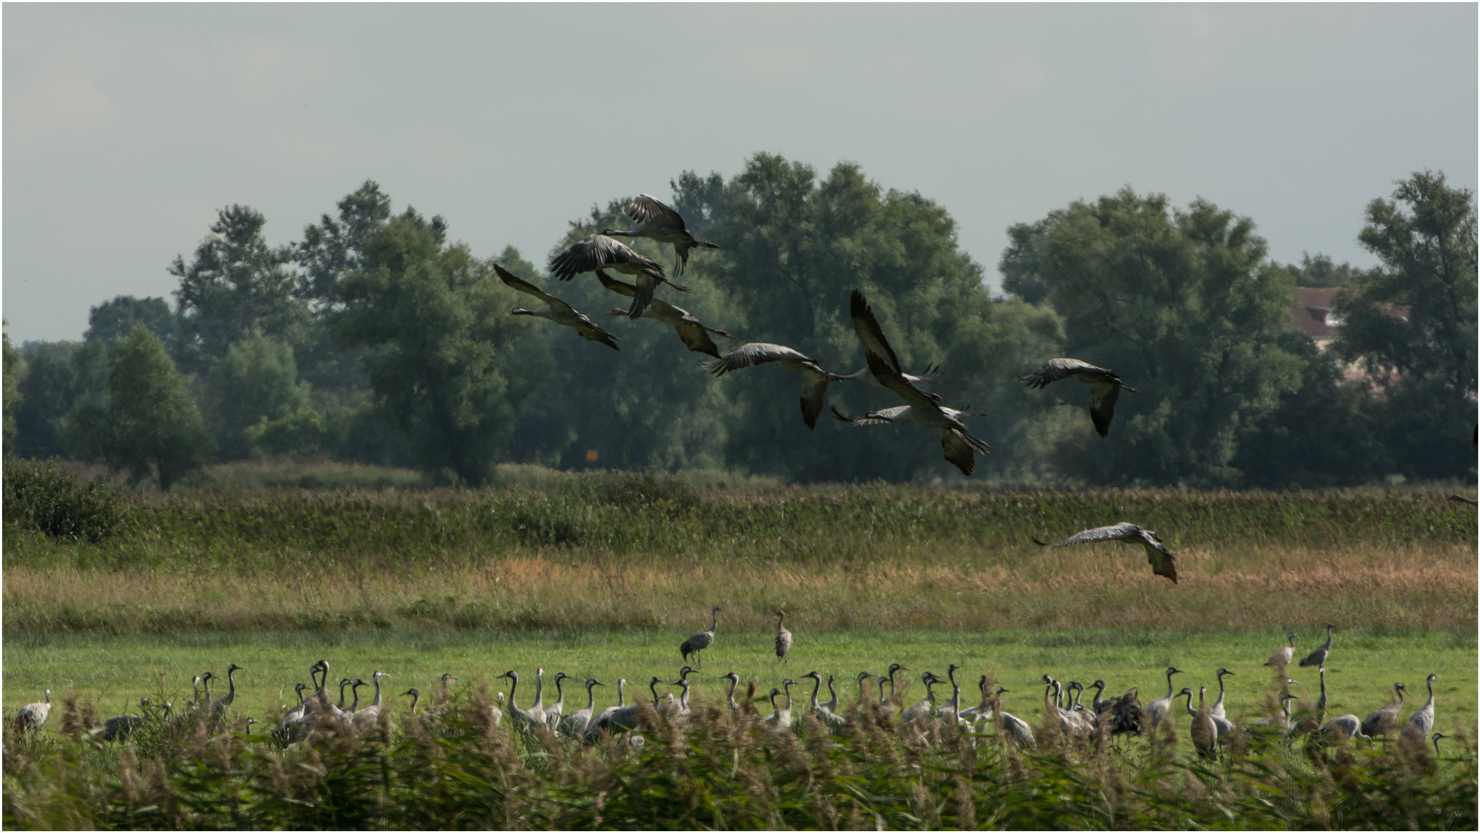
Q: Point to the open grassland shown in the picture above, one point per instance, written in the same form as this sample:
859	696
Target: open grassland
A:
643	552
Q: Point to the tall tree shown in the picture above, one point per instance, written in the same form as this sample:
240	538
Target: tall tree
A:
14	367
236	286
1412	322
256	380
112	320
146	420
440	344
59	376
1181	304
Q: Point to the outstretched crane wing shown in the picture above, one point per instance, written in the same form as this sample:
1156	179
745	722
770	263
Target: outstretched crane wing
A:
1102	405
525	286
648	209
1057	369
870	333
752	354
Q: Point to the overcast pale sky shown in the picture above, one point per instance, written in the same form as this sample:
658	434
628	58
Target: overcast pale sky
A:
127	126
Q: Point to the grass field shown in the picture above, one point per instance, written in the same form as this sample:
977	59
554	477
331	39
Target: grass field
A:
604	575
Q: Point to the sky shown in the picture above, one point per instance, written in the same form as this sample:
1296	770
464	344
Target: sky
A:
127	127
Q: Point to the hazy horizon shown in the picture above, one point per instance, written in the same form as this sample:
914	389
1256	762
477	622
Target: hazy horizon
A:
126	127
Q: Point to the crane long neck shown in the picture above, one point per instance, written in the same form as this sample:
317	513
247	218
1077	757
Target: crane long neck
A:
1169	683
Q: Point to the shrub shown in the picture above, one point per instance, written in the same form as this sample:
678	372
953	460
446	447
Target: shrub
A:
42	495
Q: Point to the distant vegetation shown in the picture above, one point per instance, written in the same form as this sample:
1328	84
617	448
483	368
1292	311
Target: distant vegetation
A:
376	339
572	551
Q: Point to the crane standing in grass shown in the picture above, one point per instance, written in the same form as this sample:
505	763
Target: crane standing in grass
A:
783	636
701	640
32	717
1317	658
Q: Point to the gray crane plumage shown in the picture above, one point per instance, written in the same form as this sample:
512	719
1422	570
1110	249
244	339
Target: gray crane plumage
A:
556	310
814	378
1318	656
691	330
661	223
601	252
957	444
1163	563
783	636
701	640
1104	385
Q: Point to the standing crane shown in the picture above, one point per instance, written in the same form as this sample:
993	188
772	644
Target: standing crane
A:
814	378
1160	706
601	252
366	718
1163	563
1282	657
522	719
701	640
553	711
1421	722
576	722
556	310
734	681
783	636
694	334
659	222
1318	656
1217	708
219	707
1204	733
32	717
1104	385
1385	720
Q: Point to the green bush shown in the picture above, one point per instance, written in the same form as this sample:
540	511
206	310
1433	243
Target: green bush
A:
42	495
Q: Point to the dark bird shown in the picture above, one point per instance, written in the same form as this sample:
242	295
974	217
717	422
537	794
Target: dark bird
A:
701	640
957	443
814	378
658	221
1162	562
1104	386
1318	656
694	334
601	252
556	310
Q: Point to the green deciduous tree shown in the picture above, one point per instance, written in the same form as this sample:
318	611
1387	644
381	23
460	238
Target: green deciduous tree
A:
59	375
14	366
236	286
434	320
1181	304
255	381
145	420
1412	323
112	320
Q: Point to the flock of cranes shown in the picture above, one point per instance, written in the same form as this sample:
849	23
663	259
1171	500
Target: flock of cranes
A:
657	221
1102	719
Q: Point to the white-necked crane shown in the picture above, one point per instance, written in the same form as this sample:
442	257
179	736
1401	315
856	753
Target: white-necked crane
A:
601	252
957	444
658	221
694	334
1163	563
814	378
1105	386
556	310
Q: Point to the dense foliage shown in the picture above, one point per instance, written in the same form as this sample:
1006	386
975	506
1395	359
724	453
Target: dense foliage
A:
376	339
41	496
712	769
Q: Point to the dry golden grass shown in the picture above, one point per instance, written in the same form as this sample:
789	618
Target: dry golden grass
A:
1431	587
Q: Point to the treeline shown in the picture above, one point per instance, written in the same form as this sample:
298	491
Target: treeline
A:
375	338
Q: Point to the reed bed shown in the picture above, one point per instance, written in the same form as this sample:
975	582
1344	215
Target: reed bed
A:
648	551
714	769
